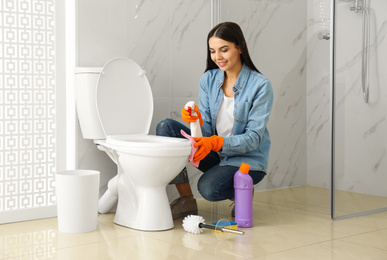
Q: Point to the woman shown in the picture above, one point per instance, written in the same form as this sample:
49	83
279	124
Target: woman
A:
235	101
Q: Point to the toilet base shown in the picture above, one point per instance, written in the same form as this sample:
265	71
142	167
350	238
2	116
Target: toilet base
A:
144	169
150	212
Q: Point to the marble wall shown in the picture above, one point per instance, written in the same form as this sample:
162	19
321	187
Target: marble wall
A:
360	131
166	38
276	34
318	95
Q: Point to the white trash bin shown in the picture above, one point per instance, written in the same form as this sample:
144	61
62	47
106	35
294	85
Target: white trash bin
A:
77	194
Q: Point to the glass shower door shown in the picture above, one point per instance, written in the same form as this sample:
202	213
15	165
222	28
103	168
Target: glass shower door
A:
359	108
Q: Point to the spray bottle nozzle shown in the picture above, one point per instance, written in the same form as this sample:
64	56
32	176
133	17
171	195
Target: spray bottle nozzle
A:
189	109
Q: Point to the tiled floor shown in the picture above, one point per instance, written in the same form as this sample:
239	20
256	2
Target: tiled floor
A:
289	223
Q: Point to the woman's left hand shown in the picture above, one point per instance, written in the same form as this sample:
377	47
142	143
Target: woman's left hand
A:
206	145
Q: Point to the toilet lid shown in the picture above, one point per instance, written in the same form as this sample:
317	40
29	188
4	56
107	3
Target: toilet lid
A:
124	98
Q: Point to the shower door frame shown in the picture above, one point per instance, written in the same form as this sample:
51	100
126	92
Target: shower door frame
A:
333	118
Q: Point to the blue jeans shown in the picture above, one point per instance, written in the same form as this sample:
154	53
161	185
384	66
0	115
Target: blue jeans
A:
217	182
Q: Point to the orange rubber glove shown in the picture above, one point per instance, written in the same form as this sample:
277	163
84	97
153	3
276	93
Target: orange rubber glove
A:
186	115
206	145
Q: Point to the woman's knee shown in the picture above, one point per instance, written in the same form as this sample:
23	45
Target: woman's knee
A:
163	127
206	190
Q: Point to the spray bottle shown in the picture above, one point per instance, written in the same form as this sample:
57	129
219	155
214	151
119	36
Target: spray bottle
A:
196	131
243	190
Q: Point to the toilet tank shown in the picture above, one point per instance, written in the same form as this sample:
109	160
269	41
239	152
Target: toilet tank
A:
86	80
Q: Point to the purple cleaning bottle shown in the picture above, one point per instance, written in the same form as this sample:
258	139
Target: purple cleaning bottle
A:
243	190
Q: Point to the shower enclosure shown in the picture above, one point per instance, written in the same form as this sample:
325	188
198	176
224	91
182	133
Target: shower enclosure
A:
327	61
358	107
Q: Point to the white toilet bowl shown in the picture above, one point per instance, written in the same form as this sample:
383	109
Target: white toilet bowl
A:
146	165
115	107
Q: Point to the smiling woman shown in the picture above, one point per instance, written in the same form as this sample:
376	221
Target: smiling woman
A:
235	104
227	56
223	53
230	33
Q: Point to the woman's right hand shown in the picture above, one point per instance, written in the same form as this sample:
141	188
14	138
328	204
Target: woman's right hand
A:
186	116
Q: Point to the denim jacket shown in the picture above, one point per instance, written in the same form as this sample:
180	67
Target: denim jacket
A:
253	99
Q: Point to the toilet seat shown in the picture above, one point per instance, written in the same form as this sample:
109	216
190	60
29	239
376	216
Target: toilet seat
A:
146	141
124	98
147	145
125	108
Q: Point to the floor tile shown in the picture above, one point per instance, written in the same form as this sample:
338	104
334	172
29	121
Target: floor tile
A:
375	239
291	223
134	247
331	250
351	202
26	238
256	241
295	197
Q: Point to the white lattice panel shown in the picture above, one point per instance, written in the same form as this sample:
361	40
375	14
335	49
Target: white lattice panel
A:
27	104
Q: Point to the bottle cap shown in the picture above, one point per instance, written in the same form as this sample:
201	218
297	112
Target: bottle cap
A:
244	168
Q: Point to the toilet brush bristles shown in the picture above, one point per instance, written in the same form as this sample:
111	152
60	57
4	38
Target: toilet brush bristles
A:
195	224
191	224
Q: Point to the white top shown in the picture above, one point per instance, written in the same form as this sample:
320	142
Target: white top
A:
225	119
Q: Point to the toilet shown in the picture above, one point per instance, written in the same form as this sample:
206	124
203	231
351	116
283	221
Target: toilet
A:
115	107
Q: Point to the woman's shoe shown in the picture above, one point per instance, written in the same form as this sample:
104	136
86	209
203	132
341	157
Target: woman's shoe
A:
233	209
182	207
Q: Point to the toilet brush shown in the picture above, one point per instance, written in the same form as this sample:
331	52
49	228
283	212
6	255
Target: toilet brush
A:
195	224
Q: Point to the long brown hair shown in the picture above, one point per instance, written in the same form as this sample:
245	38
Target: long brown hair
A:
230	32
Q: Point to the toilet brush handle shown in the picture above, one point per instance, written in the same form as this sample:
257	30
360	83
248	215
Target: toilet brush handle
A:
233	231
221	229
